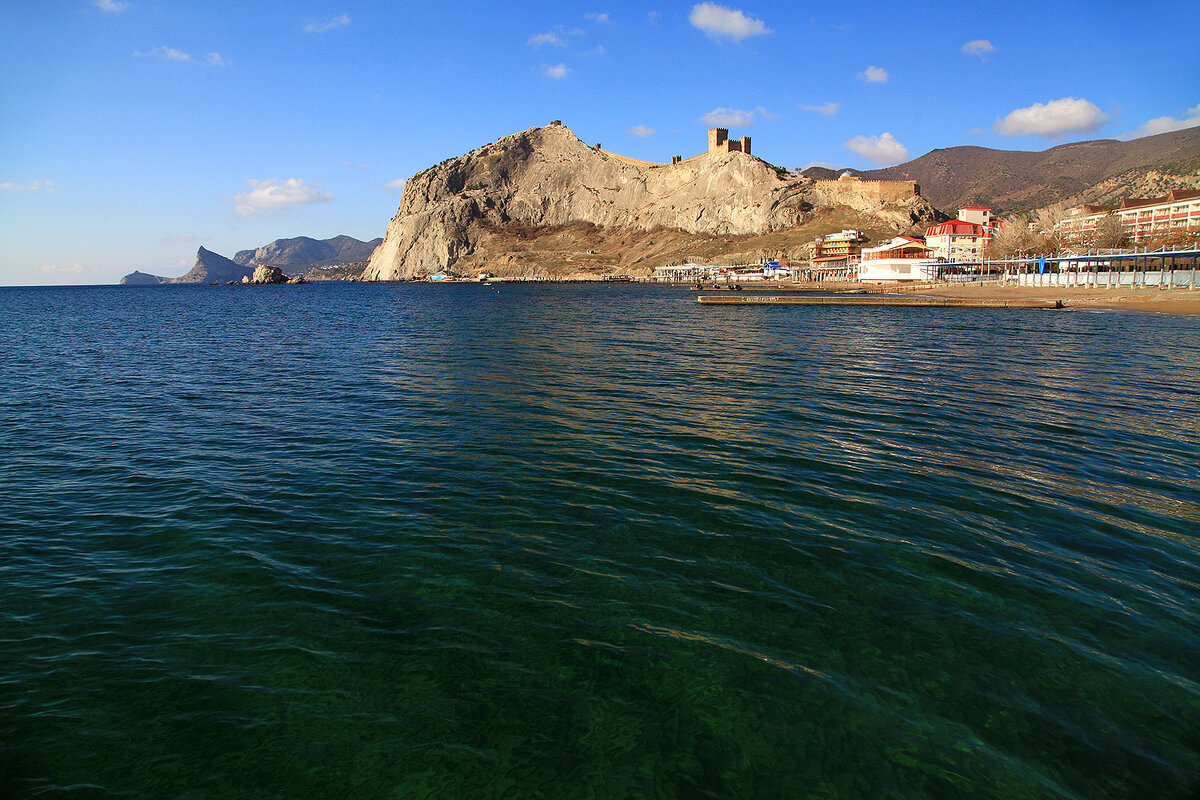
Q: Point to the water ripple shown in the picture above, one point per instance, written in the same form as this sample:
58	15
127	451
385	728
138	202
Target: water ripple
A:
442	541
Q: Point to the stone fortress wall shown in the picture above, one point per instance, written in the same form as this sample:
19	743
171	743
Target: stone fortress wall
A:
846	189
884	191
719	142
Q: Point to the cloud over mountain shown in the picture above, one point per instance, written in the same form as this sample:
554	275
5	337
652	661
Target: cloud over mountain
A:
270	196
1052	120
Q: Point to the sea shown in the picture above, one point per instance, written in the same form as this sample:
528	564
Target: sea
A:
593	541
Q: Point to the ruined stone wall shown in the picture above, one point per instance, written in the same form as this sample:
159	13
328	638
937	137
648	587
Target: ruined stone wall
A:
885	191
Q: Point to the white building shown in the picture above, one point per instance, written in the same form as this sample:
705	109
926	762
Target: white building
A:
902	259
965	238
1141	217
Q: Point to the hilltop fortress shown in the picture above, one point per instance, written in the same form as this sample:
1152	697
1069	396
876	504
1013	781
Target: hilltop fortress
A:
541	203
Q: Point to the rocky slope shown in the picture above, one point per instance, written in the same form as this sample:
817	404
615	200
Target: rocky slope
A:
541	202
1011	181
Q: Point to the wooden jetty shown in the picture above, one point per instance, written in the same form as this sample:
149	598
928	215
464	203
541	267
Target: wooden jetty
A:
874	300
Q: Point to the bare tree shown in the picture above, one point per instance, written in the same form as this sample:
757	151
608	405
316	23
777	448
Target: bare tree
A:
1109	233
1013	237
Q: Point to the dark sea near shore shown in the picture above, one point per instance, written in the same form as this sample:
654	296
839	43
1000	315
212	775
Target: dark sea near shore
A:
410	541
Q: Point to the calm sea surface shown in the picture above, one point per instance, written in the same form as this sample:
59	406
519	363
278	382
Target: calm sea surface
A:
403	541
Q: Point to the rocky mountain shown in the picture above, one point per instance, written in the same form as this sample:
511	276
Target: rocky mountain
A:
1011	181
541	202
303	253
211	267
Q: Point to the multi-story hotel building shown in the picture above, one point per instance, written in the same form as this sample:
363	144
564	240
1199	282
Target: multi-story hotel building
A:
1141	217
965	238
837	250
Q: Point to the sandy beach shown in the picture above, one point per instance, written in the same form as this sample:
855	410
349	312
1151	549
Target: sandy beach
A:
1162	301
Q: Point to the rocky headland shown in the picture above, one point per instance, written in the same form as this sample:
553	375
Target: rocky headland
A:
542	203
339	258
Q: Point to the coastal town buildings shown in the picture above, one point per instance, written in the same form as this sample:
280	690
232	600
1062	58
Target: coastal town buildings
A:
965	239
1141	218
904	258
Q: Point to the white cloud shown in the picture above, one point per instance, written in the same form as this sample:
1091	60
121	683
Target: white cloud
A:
269	196
980	47
111	6
171	54
1052	120
33	186
539	39
874	75
641	130
766	114
164	53
1190	119
720	21
598	50
975	132
828	109
556	71
729	118
359	164
54	269
597	17
326	25
880	150
556	38
396	184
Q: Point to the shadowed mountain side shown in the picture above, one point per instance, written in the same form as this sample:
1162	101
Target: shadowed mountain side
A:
488	209
1010	181
213	268
303	252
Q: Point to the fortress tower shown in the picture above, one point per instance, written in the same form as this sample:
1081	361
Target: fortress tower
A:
719	142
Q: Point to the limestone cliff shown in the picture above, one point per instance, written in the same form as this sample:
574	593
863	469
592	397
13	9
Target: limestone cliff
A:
544	192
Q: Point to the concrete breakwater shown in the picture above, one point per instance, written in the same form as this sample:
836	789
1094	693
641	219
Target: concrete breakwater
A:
864	300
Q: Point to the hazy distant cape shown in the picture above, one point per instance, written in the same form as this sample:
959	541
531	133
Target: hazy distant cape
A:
297	256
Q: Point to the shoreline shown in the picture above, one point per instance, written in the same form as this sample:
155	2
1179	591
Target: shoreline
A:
1151	300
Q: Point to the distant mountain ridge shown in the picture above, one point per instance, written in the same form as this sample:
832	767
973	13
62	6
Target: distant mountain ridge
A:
1012	181
300	255
303	252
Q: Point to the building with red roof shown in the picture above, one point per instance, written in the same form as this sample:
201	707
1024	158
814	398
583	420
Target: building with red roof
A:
965	238
1141	217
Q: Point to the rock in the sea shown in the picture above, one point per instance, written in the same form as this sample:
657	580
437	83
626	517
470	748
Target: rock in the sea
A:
264	273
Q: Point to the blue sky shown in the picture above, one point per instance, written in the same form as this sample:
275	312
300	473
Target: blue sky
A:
134	131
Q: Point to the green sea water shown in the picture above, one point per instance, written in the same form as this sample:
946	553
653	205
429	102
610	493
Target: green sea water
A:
408	541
